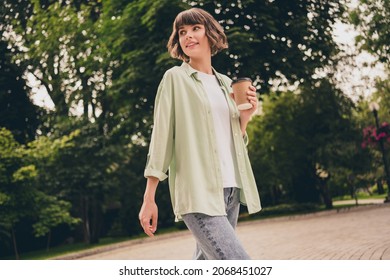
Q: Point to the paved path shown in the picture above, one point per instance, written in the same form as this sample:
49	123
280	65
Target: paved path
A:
358	233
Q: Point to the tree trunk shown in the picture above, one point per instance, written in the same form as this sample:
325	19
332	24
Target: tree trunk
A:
380	186
324	190
14	244
85	217
96	218
48	241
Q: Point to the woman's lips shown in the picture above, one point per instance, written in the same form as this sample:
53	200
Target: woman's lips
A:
191	44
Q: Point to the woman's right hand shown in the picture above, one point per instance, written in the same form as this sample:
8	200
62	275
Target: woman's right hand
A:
148	216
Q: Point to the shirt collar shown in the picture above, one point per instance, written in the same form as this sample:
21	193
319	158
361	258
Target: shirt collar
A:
193	72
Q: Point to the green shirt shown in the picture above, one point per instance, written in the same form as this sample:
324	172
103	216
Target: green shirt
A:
183	141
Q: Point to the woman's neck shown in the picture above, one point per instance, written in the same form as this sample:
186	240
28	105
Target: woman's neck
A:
202	65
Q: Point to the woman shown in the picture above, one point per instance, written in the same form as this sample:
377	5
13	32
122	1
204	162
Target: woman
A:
200	135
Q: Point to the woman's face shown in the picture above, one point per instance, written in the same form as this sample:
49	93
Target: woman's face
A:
193	41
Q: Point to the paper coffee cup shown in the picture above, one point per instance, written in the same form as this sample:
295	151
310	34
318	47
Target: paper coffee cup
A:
240	86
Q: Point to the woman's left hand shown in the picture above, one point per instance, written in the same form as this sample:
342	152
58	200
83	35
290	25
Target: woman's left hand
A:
245	115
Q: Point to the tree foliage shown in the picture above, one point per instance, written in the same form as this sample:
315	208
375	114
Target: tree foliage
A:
21	196
17	113
299	142
276	42
372	20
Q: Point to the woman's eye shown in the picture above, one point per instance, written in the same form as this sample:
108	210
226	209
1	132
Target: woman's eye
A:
182	32
196	27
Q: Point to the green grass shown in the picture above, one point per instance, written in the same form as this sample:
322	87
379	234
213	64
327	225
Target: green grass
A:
361	195
282	210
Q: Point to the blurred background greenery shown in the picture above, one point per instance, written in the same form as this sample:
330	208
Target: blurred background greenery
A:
71	165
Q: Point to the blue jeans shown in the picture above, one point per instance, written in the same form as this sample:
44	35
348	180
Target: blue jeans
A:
215	235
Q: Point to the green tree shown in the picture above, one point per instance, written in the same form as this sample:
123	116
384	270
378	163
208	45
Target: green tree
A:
86	174
381	97
372	20
10	210
65	50
136	34
300	141
17	113
59	43
21	196
276	42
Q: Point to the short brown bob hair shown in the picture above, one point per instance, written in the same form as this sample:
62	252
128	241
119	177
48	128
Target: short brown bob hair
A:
214	32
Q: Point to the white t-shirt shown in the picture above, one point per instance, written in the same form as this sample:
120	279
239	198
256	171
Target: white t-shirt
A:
221	117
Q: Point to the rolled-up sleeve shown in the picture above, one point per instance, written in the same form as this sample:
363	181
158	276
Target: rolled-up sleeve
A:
162	139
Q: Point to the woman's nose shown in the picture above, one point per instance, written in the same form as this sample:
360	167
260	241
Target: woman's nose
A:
188	35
